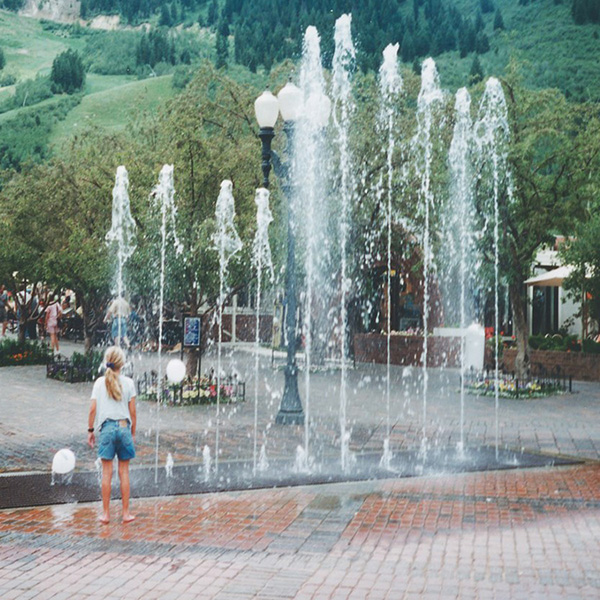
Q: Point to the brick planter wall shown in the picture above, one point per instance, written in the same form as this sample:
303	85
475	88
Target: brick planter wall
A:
584	367
407	350
245	328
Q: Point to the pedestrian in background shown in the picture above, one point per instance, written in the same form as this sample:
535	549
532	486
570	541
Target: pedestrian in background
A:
3	309
53	314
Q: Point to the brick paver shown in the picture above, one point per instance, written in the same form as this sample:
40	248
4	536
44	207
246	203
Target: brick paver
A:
517	534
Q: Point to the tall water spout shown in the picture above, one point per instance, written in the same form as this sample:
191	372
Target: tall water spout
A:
164	198
429	99
121	235
460	226
228	243
343	106
310	178
261	257
390	86
493	135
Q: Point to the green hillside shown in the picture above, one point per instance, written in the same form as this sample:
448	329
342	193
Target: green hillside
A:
29	48
111	109
542	35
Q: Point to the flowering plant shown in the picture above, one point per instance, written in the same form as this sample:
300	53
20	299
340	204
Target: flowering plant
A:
509	387
195	390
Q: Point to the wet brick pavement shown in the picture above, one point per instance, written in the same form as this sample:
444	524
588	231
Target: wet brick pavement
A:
517	534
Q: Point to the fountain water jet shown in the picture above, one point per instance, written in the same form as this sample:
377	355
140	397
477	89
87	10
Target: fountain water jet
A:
343	107
228	243
164	197
390	86
310	183
492	136
261	257
430	97
460	223
121	234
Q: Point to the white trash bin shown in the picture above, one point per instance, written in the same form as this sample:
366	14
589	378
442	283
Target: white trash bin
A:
474	347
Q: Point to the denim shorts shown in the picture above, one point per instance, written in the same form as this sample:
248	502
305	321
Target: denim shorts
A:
115	438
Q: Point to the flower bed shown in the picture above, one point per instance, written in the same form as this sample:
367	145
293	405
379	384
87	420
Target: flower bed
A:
201	390
509	387
13	353
79	368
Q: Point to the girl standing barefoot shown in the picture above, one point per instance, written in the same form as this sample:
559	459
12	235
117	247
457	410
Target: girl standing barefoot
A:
113	414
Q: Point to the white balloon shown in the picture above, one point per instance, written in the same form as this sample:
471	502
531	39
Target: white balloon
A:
176	370
63	461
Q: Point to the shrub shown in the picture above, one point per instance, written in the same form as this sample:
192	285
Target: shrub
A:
25	137
29	92
112	53
7	79
80	367
591	347
555	342
68	74
13	353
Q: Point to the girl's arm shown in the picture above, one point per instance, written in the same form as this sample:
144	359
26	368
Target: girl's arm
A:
91	419
133	415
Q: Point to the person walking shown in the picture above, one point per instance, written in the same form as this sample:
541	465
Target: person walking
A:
113	415
53	314
4	308
117	315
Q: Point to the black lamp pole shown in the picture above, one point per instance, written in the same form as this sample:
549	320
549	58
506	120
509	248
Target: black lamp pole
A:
290	409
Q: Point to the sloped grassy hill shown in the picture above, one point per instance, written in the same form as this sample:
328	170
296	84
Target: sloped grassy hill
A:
555	52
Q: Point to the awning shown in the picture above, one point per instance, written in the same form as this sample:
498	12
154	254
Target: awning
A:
552	278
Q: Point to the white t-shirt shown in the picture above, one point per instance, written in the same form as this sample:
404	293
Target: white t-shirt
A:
107	407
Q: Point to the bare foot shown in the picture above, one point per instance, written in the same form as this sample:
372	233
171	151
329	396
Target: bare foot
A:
128	518
104	519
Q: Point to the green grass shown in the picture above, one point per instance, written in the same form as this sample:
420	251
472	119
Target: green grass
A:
112	108
95	83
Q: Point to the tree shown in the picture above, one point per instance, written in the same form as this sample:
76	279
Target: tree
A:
68	73
552	160
498	20
213	13
482	43
222	50
583	252
476	73
165	19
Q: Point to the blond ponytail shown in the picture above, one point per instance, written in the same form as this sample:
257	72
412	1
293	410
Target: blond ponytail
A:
114	359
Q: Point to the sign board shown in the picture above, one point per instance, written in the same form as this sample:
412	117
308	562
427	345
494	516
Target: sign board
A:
192	330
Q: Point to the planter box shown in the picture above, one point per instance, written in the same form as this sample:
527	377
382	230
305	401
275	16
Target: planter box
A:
580	366
66	371
407	350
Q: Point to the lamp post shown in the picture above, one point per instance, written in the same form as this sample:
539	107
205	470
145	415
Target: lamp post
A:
267	108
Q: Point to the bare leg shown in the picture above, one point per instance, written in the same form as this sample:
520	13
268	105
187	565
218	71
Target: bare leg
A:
107	471
124	479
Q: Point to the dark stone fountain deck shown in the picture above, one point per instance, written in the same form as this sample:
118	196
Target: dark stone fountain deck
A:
36	489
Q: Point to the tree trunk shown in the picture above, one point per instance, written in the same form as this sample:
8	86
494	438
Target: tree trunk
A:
193	354
519	304
88	329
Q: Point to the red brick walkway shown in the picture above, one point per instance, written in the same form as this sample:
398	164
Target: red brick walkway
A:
513	534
